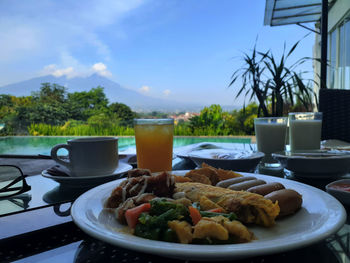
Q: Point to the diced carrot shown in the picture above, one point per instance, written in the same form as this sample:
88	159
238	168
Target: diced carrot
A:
132	214
195	215
215	210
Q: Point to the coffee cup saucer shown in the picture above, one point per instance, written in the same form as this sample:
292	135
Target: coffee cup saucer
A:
88	181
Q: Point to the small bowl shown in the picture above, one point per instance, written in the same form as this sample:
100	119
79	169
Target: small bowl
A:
236	160
341	195
315	163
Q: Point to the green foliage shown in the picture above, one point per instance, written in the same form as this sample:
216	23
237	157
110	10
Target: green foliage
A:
50	94
42	129
83	105
182	129
250	75
122	113
52	111
153	114
273	82
213	121
209	122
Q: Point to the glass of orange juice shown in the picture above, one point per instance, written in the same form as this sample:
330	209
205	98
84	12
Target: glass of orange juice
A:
154	144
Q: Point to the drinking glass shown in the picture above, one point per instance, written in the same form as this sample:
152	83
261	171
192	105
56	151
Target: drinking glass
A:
305	130
270	135
154	144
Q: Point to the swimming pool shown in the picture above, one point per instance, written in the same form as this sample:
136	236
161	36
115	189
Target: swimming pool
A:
34	145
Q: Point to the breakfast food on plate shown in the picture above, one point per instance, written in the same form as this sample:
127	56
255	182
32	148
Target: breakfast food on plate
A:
288	200
210	175
161	185
265	189
198	208
246	185
228	182
249	207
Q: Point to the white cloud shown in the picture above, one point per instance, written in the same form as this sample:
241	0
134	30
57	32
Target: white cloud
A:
58	72
145	89
61	72
75	69
166	92
101	69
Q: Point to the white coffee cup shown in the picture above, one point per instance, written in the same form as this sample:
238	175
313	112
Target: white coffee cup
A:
91	156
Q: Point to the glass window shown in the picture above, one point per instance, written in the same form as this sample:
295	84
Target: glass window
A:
339	57
341	65
347	55
332	58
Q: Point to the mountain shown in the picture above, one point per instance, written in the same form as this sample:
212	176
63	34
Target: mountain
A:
114	92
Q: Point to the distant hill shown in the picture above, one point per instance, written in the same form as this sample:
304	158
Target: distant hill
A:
114	92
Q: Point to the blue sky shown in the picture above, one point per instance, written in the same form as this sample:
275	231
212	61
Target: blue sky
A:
183	50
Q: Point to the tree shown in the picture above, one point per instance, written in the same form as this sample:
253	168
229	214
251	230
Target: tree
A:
210	120
50	94
123	113
83	105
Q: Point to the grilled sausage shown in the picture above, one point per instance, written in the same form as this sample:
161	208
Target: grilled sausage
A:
289	201
246	185
228	182
265	189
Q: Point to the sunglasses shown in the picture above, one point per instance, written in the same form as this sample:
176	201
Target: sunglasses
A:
12	181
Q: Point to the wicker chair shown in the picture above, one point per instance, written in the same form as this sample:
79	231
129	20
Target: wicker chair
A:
335	106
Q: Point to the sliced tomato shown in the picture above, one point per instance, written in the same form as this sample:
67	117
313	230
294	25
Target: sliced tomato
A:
195	215
216	210
132	214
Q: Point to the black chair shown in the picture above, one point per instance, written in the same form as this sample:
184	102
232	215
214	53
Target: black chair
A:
335	106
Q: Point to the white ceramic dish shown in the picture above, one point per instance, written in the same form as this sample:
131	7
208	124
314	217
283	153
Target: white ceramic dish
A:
320	216
237	160
341	195
88	181
184	151
335	144
316	164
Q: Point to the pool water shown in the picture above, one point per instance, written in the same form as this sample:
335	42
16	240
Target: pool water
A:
30	145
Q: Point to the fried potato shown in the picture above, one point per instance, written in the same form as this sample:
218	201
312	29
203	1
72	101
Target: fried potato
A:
182	229
207	227
239	230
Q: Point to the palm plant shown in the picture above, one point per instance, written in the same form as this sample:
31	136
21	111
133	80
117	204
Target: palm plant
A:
272	82
250	75
283	82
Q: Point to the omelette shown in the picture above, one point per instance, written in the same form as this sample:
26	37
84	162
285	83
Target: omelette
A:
249	207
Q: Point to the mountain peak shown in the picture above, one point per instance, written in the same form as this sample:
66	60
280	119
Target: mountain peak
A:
114	92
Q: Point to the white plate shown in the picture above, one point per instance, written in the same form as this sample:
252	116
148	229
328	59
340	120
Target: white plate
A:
228	159
315	164
88	181
320	216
